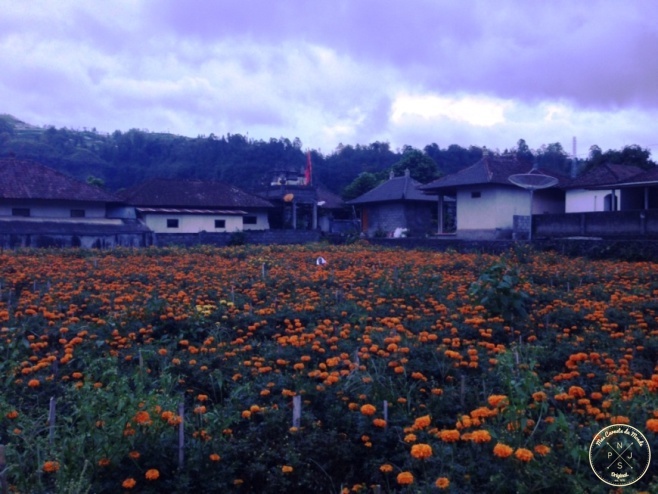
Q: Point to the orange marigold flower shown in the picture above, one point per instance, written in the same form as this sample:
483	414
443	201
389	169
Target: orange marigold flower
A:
542	449
143	418
497	400
103	462
152	474
379	422
481	436
523	454
449	435
539	396
129	483
410	438
652	425
405	478
50	466
577	392
442	483
502	450
214	457
134	455
12	415
286	469
386	468
619	419
421	451
422	422
34	383
368	409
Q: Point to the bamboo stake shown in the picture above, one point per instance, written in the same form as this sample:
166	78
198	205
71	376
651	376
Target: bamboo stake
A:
51	419
296	410
181	435
3	471
386	412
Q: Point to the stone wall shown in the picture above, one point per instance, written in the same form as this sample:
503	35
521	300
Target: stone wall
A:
257	237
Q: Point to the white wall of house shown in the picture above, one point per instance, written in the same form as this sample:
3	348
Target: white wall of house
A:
55	209
195	223
583	201
482	210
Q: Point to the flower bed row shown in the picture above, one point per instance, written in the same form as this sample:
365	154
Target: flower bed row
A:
170	370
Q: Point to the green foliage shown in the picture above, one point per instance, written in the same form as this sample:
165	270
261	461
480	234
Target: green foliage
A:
360	185
499	289
420	165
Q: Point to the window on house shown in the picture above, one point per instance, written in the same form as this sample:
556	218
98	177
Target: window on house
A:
172	223
249	220
77	213
476	194
20	212
220	223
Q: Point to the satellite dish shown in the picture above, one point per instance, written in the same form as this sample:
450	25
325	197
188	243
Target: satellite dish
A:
533	181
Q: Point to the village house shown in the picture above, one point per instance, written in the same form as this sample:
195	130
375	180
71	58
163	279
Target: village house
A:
41	207
168	206
487	202
397	207
598	190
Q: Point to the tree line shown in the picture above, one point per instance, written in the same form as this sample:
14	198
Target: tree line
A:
123	159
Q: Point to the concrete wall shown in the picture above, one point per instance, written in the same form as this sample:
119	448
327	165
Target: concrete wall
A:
580	200
489	216
195	223
386	217
609	224
14	241
259	237
54	209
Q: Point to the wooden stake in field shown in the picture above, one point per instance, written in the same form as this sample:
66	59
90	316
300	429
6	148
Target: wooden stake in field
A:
181	435
296	410
51	419
3	471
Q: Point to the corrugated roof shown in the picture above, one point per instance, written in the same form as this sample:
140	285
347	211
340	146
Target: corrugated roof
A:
26	179
190	194
394	189
234	212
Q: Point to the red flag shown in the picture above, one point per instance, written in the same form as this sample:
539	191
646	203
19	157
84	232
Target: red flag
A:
307	172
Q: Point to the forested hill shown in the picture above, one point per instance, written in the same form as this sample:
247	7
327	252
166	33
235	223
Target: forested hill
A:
123	159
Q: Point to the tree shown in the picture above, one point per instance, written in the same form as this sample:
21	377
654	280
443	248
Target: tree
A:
421	167
553	157
360	185
523	152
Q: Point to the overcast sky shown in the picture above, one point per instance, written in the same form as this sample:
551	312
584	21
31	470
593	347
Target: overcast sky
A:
483	73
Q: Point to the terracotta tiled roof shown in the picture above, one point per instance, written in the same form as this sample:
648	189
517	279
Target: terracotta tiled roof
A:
190	194
646	177
394	189
604	175
489	170
25	179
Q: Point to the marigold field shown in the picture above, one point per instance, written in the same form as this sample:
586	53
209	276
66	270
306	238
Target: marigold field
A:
253	369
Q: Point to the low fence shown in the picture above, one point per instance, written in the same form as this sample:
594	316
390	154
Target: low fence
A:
609	225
